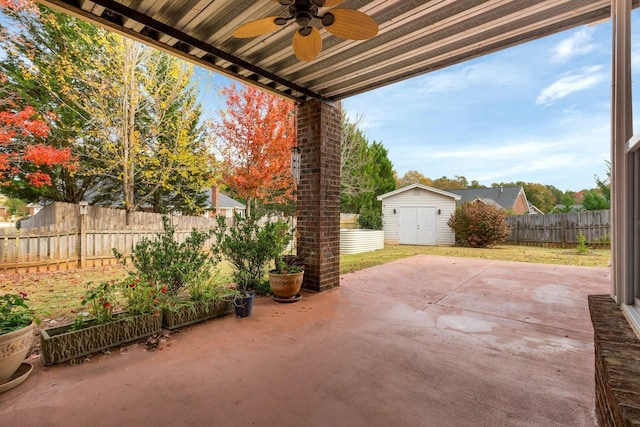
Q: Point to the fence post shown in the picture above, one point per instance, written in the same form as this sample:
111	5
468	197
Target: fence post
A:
82	235
564	231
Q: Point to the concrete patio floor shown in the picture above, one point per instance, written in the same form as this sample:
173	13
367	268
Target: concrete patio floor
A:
424	341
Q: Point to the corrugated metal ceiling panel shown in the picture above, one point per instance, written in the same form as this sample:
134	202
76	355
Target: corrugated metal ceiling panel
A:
415	37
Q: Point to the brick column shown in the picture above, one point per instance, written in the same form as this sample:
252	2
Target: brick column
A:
318	129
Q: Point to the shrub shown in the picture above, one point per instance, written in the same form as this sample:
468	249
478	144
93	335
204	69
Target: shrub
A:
370	219
582	247
479	225
250	248
164	261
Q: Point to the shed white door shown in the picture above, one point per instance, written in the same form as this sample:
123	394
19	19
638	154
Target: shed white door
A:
417	226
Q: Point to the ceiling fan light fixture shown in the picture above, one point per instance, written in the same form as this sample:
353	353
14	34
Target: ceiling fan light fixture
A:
348	24
303	18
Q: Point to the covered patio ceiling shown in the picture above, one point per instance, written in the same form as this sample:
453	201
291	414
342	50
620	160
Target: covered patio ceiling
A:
415	37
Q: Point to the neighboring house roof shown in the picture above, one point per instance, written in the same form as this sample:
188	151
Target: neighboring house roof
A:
226	202
504	197
423	187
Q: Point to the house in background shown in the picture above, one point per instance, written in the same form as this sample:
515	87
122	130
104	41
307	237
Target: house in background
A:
418	215
221	204
34	208
512	199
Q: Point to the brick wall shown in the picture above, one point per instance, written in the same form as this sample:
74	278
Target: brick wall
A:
617	364
318	130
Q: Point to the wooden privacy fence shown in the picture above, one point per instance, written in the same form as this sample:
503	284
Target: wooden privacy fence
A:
561	229
60	238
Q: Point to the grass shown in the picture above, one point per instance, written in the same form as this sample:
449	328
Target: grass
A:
59	294
593	258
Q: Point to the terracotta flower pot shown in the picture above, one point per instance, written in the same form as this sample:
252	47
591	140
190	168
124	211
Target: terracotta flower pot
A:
14	347
286	285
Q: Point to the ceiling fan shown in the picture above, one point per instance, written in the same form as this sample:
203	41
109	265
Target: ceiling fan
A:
307	42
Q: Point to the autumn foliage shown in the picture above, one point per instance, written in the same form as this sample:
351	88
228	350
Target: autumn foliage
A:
253	143
479	225
20	154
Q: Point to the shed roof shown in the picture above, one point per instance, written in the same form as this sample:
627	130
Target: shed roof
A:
415	37
423	187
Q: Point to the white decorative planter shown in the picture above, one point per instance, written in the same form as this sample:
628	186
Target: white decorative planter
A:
358	241
14	346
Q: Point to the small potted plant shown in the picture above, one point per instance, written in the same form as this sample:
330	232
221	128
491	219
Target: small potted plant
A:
286	278
16	336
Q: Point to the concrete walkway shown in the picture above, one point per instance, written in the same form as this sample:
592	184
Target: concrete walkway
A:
425	341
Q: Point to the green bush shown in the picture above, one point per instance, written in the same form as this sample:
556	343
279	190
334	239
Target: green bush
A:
165	261
479	225
250	247
582	247
370	219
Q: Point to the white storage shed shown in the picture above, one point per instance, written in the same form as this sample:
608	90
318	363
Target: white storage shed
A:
418	215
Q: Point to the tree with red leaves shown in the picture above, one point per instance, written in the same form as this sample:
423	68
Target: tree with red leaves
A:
255	134
22	132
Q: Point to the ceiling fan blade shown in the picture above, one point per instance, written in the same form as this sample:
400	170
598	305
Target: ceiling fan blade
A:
307	47
350	24
331	3
257	27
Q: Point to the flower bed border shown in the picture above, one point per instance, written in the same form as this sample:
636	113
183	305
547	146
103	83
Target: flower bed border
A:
59	344
196	312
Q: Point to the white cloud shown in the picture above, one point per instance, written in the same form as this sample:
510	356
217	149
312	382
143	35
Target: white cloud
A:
569	83
578	44
481	73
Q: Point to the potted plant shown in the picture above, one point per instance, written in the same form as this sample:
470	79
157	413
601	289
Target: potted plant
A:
249	247
286	278
16	336
116	313
186	271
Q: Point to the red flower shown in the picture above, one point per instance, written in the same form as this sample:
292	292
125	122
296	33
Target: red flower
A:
132	285
23	295
106	304
164	289
156	302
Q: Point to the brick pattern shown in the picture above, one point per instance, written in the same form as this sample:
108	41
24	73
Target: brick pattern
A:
617	364
318	130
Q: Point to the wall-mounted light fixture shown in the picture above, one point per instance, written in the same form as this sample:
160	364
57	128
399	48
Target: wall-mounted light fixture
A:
295	164
439	211
394	210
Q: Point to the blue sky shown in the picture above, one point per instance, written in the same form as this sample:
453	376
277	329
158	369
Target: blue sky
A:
538	112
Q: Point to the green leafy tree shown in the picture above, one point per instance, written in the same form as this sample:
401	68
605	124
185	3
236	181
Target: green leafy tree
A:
604	185
38	52
366	171
479	225
593	200
566	203
126	111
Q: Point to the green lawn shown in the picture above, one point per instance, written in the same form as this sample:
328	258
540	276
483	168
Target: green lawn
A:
60	293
